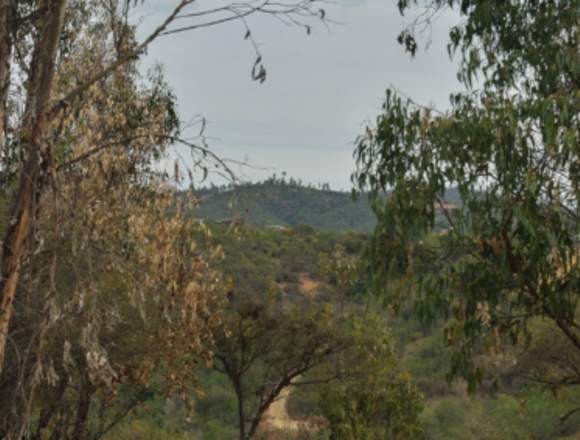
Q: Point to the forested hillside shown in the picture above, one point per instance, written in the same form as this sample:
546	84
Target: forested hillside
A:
276	202
286	202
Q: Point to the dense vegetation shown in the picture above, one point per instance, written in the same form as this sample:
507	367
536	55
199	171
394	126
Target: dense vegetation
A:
291	268
291	321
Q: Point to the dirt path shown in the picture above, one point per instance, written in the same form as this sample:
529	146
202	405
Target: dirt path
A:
277	417
308	286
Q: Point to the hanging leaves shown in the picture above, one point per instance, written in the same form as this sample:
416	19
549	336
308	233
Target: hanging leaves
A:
506	148
258	70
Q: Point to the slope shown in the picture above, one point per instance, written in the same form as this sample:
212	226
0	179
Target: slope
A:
278	203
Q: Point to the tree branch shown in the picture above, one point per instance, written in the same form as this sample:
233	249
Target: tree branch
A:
64	102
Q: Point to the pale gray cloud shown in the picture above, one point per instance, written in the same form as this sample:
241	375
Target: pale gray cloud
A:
320	91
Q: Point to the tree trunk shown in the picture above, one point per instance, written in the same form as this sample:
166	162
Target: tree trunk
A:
81	429
241	415
6	23
36	156
48	413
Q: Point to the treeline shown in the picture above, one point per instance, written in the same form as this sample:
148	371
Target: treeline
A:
294	329
284	202
274	180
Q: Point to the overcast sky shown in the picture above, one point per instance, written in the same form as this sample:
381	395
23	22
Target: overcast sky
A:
321	88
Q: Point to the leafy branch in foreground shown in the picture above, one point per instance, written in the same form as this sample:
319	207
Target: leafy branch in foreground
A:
509	143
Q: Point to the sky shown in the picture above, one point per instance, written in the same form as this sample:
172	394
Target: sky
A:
321	90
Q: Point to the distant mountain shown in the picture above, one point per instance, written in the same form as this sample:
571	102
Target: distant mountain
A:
277	203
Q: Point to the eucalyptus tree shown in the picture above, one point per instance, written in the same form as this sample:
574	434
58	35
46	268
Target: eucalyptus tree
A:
94	235
510	143
36	39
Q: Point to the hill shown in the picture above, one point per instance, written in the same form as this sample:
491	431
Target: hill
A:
277	203
280	203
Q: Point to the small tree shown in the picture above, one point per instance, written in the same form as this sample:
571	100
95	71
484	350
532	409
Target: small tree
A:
265	346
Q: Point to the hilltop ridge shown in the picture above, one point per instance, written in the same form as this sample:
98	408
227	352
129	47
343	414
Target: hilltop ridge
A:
278	202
